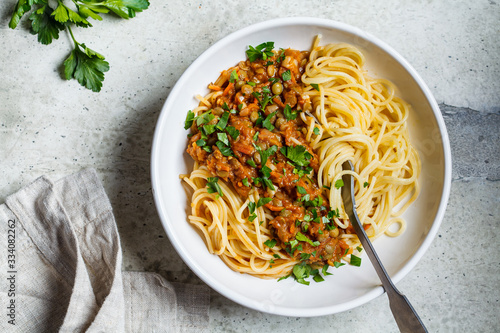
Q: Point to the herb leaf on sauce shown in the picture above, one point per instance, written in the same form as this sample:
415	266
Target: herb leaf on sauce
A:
261	51
298	154
289	114
213	186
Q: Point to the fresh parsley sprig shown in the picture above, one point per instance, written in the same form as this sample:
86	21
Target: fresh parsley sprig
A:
262	51
49	18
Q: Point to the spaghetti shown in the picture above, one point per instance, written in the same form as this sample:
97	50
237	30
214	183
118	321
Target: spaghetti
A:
269	140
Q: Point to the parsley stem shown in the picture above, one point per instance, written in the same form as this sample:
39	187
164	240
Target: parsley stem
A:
73	37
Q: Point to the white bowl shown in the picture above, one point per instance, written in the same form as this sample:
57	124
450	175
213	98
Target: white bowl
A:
349	286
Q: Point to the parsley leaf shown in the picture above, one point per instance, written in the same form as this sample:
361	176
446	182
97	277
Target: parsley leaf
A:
301	190
339	183
86	66
225	150
251	207
208	129
233	77
366	184
204	118
300	272
223	138
213	186
245	182
189	119
223	121
43	25
270	243
233	132
315	86
337	264
263	201
298	154
355	260
289	114
267	122
303	238
324	270
265	154
286	75
261	51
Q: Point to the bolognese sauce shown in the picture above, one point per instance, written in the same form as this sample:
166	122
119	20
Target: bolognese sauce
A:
253	137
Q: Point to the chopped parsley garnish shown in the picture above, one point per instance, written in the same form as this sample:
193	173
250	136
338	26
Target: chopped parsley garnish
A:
263	97
265	154
298	155
324	270
261	51
286	75
302	271
301	190
200	143
305	256
266	171
337	264
245	182
355	260
315	86
256	136
208	129
224	149
189	119
251	207
233	77
339	183
251	163
267	122
289	114
359	248
204	118
223	138
316	131
270	243
268	183
213	186
223	121
303	238
366	184
263	201
233	132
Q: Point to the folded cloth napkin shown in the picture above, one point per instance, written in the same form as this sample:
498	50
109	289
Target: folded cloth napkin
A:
61	268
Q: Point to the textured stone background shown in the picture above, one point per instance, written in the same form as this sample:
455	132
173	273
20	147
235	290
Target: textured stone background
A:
55	127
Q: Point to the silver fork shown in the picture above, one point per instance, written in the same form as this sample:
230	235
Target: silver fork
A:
405	315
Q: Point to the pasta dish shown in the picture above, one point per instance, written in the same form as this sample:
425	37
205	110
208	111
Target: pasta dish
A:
268	143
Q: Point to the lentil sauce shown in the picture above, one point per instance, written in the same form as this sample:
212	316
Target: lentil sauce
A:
261	100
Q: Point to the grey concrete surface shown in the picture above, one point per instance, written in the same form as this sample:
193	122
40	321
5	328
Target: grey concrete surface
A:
55	127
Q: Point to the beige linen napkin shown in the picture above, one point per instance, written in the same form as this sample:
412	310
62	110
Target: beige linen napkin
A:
61	268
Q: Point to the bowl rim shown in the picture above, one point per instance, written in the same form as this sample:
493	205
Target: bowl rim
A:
343	27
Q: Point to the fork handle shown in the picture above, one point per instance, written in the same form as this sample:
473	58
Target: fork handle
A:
405	315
